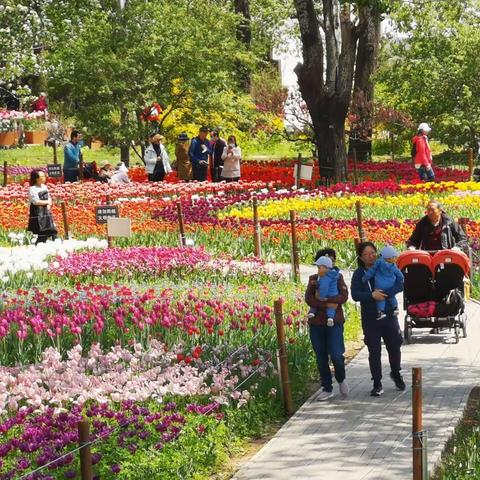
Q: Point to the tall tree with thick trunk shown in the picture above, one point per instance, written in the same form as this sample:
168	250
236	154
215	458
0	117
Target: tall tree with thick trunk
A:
363	88
329	43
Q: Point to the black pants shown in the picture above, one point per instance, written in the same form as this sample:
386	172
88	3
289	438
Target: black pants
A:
216	172
156	178
43	238
199	172
230	180
388	329
70	174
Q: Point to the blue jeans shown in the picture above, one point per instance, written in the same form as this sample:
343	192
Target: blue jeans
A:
426	175
328	342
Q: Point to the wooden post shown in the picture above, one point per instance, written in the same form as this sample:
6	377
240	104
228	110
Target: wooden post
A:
417	424
5	174
282	353
80	170
356	243
109	239
392	146
295	259
361	231
257	234
470	163
86	469
181	225
299	170
355	172
65	221
55	157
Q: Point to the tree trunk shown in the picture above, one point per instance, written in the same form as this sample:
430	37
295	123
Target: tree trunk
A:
125	154
366	64
325	78
244	35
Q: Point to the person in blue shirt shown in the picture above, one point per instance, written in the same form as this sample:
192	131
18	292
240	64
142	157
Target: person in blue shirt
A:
199	152
326	287
71	157
386	273
387	328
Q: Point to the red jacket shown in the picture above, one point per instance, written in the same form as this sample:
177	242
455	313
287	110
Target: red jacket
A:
421	150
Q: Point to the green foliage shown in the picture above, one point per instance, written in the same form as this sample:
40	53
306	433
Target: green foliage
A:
429	68
122	61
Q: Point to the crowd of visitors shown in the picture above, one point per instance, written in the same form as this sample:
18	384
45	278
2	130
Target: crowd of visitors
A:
192	159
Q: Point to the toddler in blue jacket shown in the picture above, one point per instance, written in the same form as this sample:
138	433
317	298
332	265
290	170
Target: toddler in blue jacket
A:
385	273
327	286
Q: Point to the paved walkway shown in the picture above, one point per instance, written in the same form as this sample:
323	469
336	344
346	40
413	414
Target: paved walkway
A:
365	438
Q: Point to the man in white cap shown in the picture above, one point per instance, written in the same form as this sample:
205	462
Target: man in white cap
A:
421	153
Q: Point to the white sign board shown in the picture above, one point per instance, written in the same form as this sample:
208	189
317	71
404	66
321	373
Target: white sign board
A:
305	172
119	227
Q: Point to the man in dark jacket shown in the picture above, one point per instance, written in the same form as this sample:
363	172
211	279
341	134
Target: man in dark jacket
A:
217	145
198	153
437	231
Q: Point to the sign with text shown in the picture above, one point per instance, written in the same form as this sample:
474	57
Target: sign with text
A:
306	172
119	227
104	212
54	170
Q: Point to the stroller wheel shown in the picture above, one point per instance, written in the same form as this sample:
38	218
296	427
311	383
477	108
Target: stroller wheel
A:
463	323
407	331
456	330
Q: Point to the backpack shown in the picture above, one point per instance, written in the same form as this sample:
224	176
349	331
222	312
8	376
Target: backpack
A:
90	170
450	304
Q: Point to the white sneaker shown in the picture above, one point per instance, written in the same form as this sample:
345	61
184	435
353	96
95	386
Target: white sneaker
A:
344	388
324	395
310	315
330	322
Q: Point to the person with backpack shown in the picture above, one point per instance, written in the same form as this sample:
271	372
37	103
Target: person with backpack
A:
422	155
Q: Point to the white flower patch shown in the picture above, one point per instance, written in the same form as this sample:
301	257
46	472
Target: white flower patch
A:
29	258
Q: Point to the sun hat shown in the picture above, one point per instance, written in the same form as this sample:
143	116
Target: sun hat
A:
388	252
425	127
104	163
183	137
324	261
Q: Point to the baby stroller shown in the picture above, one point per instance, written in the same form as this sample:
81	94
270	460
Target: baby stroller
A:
434	291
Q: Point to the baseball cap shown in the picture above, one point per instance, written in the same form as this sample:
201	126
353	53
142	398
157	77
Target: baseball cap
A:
324	261
425	127
388	252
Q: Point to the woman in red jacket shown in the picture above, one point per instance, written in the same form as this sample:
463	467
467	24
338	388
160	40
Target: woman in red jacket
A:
422	154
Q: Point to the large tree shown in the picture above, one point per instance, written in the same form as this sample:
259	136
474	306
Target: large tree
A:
329	31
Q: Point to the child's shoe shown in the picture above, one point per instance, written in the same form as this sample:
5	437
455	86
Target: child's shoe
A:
310	315
330	322
381	315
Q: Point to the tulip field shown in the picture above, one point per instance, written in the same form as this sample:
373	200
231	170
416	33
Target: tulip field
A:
169	351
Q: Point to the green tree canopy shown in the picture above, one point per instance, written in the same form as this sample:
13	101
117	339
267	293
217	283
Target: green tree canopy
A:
430	67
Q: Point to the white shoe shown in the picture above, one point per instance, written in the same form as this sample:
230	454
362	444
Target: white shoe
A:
310	315
330	322
344	388
324	395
